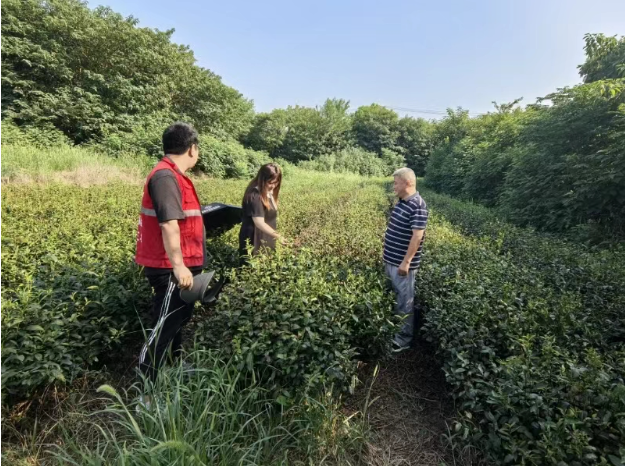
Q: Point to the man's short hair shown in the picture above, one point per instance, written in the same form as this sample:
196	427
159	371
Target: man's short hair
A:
179	138
406	174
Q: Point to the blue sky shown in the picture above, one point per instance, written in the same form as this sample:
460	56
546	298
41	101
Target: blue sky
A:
412	54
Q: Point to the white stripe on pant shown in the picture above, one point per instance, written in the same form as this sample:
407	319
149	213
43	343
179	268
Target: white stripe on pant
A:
162	316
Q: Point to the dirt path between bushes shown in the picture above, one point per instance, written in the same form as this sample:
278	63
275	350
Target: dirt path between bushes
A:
411	413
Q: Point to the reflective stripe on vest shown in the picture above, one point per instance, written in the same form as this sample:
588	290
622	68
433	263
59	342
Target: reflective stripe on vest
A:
187	213
150	248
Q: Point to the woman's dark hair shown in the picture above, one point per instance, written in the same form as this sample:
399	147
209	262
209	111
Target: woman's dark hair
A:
179	138
268	172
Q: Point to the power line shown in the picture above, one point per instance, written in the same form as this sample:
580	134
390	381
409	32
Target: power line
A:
414	110
426	112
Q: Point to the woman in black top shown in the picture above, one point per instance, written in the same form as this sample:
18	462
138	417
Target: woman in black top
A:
260	211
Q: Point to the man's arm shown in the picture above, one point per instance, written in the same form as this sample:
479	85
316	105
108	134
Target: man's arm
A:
167	200
171	241
413	247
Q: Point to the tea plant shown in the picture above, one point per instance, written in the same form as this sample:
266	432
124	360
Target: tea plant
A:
531	333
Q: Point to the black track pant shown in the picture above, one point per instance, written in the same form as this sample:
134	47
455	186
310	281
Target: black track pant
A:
170	314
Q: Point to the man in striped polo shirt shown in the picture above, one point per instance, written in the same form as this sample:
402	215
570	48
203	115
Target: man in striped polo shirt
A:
403	243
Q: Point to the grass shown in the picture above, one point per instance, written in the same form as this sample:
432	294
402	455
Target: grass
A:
211	415
400	415
75	165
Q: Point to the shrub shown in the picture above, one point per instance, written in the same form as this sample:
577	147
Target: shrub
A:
218	158
351	160
144	137
304	315
531	333
42	136
393	160
303	319
228	159
70	291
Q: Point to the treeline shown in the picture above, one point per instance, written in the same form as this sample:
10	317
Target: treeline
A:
373	140
84	76
90	76
559	164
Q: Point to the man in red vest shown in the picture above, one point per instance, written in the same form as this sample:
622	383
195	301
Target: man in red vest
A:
171	243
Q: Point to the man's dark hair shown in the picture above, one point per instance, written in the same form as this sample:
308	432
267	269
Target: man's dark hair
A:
178	138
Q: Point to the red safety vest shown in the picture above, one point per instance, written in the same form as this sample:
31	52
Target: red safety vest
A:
150	249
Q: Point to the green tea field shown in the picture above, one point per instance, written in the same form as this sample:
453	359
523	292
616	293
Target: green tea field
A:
527	330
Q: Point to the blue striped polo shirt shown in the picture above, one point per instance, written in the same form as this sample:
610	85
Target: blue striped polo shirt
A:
409	214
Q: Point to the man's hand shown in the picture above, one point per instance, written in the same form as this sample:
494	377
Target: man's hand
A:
283	241
413	247
184	277
171	241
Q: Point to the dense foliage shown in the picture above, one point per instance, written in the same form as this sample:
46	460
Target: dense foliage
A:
305	314
71	291
530	329
98	78
373	140
94	73
558	165
532	334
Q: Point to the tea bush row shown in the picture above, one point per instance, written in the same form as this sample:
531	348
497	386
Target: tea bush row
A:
305	313
530	330
71	292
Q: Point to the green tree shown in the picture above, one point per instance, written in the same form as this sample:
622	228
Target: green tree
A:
450	160
376	128
305	131
268	132
558	165
92	73
302	133
572	171
415	142
605	58
338	124
493	140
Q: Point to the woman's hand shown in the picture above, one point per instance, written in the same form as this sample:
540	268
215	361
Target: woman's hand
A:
283	241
